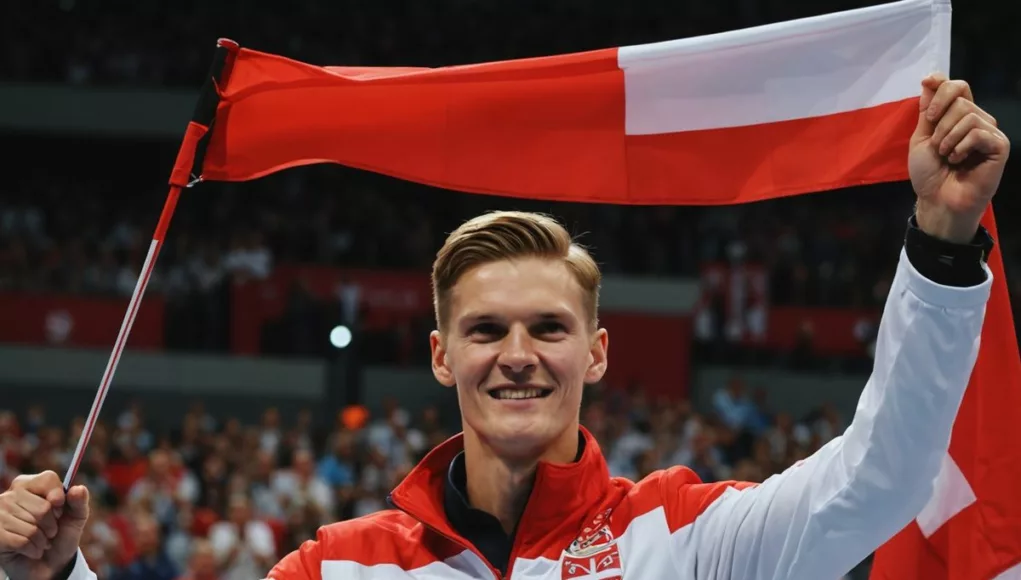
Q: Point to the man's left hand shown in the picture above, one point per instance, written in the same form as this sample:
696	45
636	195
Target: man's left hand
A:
956	160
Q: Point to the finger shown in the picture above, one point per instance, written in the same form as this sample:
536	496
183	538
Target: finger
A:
929	86
945	95
34	510
36	542
78	502
983	141
40	484
946	138
18	544
960	110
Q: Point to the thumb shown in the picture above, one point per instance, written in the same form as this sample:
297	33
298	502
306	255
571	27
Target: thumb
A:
925	128
77	506
71	527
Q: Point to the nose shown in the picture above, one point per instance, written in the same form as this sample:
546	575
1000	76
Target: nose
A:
518	358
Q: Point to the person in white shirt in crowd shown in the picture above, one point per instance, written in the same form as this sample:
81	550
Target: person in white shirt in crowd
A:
301	488
244	547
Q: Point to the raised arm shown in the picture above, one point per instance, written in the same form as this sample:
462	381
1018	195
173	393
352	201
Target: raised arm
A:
821	517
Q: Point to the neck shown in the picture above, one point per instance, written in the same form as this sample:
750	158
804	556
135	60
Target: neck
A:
500	486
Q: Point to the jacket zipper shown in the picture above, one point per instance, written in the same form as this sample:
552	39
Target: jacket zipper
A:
524	517
460	542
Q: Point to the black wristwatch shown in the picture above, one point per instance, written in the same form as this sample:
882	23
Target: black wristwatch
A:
945	262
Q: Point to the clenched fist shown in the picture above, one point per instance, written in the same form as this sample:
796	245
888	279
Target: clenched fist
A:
956	160
40	526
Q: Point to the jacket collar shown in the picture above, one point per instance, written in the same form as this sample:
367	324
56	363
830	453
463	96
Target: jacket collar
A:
563	494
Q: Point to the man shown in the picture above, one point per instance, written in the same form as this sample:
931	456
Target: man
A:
152	561
524	492
202	562
244	546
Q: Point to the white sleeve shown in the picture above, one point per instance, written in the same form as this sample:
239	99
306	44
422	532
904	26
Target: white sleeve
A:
81	569
820	518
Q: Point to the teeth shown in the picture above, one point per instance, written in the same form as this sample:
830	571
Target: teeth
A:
518	393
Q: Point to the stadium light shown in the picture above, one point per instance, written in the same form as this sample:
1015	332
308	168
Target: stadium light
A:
340	336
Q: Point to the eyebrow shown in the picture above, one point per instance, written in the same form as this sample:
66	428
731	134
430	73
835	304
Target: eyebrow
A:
487	317
554	315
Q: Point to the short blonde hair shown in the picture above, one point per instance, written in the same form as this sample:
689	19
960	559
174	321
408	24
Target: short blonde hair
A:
506	235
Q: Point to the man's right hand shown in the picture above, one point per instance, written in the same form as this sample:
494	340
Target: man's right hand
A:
40	526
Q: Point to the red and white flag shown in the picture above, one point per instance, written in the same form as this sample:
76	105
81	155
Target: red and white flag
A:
795	107
784	109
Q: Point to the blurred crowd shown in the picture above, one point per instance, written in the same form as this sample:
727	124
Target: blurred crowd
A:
72	233
81	231
88	235
214	499
169	44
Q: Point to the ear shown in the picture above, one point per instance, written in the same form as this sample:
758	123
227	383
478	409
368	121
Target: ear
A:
597	352
441	371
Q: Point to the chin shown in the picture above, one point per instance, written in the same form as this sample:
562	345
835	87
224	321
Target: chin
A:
520	435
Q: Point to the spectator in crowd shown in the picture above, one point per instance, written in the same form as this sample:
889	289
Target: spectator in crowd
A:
300	488
244	547
338	469
164	488
151	561
734	406
202	563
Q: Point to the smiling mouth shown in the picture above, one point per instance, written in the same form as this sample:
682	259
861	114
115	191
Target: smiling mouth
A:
515	393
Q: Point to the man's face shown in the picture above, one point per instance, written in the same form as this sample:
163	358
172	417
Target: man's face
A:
303	464
159	465
147	536
203	562
238	512
519	349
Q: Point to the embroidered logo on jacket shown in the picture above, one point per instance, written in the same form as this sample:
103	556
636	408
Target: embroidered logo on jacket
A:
594	555
602	566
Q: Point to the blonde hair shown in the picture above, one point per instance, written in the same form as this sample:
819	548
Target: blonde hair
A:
506	235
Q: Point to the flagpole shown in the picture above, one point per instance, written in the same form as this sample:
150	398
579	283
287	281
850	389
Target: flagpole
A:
187	171
125	331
